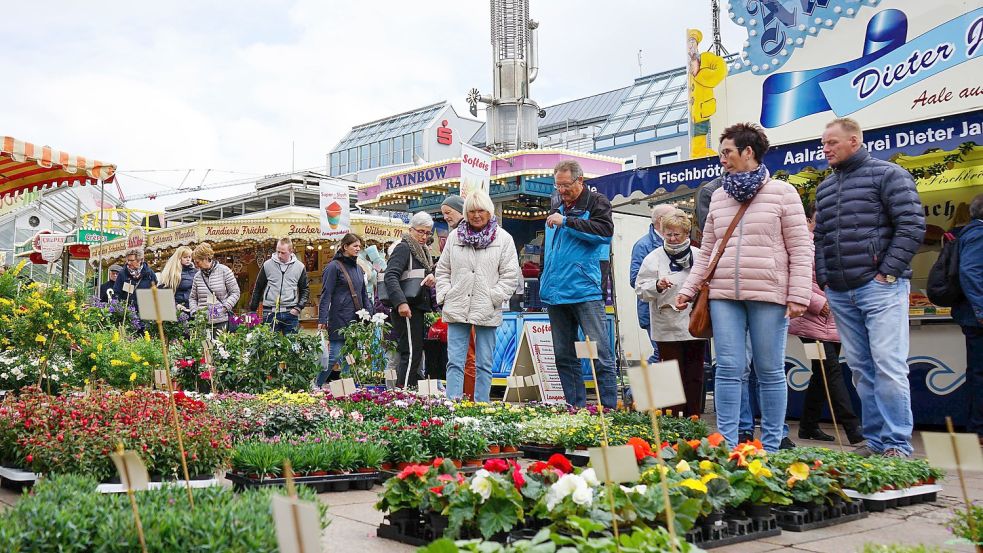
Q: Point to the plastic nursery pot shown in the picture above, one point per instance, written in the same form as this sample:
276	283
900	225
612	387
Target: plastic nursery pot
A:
494	449
386	466
365	470
457	463
472	462
759	511
402	465
509	449
438	524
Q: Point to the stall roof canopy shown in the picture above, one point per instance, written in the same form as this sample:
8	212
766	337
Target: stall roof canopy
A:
25	167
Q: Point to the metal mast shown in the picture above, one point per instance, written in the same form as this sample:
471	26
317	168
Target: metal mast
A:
718	43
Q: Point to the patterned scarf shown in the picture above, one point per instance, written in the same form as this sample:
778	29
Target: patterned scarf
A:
478	239
743	186
419	252
680	256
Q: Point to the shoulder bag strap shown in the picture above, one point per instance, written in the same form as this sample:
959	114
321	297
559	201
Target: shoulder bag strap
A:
351	287
712	267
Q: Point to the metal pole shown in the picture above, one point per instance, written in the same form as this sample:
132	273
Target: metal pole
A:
102	219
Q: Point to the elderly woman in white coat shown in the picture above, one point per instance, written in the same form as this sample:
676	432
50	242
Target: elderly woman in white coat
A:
660	277
477	272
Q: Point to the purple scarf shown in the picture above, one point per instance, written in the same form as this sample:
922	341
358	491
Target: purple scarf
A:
477	239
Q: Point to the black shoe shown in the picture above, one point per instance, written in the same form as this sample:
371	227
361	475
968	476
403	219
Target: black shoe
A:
814	434
786	443
854	436
742	437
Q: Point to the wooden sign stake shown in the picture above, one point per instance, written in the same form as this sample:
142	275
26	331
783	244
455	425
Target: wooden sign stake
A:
829	399
663	468
133	500
288	474
604	445
962	480
170	396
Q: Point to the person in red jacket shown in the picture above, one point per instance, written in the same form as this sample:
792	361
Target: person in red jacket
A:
817	325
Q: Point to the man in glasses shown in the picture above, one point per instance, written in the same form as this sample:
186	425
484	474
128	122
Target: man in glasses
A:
578	236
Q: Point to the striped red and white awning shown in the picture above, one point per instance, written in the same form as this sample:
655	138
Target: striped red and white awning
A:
25	167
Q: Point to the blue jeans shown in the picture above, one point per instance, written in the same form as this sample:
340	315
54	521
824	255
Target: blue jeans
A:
286	322
334	356
873	325
458	339
749	402
654	358
767	326
590	317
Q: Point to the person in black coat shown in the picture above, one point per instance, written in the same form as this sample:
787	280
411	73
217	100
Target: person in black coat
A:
135	276
105	287
178	275
340	303
411	254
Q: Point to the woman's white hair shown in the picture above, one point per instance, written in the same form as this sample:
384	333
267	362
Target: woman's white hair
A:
479	200
421	219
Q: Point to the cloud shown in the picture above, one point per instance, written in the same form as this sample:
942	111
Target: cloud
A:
232	86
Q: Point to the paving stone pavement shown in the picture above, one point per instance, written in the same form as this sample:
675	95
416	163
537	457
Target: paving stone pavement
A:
354	521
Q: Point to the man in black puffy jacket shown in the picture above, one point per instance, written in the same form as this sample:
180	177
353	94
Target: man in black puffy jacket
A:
869	224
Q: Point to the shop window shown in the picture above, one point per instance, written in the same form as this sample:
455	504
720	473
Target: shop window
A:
374	155
624	139
665	156
603	143
352	160
363	157
334	164
407	148
384	152
343	164
418	143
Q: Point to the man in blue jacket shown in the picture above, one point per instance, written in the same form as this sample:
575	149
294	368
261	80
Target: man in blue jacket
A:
646	245
869	224
969	313
137	275
578	231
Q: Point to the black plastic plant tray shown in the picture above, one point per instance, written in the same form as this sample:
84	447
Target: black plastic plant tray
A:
538	452
578	457
16	479
892	499
797	519
734	530
390	532
321	484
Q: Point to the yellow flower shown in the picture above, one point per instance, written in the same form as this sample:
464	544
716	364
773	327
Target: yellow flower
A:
92	356
94	369
133	376
136	358
146	336
115	362
99	348
19	267
708	477
115	336
797	471
86	381
694	484
40	339
682	466
146	363
758	469
706	465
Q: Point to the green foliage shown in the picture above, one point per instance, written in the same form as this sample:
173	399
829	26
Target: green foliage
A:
65	514
899	548
365	342
311	454
960	524
118	360
588	538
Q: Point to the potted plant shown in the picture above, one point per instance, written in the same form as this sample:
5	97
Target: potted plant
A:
365	342
402	497
370	457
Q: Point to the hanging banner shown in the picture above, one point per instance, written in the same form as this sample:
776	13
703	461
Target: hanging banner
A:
475	169
335	217
879	62
704	71
51	246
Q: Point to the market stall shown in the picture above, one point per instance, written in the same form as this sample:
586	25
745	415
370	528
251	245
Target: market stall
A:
244	243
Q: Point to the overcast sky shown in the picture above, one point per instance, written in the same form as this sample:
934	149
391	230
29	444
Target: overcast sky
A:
229	85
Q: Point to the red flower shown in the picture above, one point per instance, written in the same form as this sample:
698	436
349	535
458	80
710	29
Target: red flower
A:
642	448
438	461
538	467
496	465
419	470
30	458
437	490
560	463
205	375
518	479
444	478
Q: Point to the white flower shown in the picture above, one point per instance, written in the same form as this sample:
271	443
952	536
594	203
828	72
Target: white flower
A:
583	496
379	318
481	485
4	375
355	416
590	477
54	377
567	484
335	413
363	314
247	412
400	403
639	489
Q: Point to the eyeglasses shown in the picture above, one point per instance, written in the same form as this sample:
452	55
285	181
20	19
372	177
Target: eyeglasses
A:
675	234
727	151
422	232
565	185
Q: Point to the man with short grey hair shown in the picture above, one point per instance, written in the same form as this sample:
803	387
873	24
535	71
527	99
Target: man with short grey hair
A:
282	287
578	233
869	225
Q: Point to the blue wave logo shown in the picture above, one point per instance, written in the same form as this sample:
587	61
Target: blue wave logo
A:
941	379
798	376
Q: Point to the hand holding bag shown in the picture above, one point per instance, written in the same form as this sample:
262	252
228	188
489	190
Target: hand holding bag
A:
699	318
410	282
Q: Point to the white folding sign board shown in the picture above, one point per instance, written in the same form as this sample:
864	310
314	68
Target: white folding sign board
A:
536	364
661	387
132	472
614	464
298	529
941	453
165	304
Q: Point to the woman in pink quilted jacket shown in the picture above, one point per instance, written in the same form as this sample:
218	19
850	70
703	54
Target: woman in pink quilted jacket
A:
817	325
763	279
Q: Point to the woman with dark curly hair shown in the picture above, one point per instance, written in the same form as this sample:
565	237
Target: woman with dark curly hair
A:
763	279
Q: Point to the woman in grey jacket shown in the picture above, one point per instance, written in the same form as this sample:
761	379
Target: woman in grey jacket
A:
214	288
477	271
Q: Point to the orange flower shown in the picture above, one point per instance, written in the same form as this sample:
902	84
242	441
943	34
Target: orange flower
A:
693	443
715	439
642	448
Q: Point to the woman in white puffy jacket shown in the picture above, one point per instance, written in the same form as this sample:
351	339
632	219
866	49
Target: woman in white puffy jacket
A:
477	272
660	277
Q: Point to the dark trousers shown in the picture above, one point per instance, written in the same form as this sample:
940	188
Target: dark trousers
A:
286	322
815	399
404	339
690	355
974	378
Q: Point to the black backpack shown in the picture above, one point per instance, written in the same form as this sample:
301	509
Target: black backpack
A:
943	288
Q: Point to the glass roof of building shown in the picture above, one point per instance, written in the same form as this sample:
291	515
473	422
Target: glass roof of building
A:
396	125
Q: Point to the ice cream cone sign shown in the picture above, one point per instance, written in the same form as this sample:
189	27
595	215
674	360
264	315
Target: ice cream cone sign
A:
335	203
333	212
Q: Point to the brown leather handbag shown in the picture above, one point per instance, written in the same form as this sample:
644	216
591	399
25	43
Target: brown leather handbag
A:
700	325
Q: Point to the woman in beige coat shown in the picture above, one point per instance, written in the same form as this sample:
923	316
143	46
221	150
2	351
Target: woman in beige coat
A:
477	272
